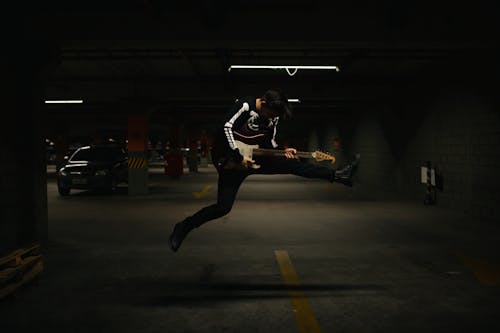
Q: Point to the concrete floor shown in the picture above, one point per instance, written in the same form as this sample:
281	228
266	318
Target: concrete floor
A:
364	266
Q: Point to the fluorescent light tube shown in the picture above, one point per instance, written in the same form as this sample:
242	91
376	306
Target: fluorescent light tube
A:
75	101
335	68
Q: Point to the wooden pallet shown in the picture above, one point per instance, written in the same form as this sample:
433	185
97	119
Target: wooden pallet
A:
18	268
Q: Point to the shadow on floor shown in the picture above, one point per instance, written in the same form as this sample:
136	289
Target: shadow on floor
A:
148	292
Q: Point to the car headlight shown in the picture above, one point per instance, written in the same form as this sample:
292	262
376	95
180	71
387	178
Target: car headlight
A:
63	173
102	172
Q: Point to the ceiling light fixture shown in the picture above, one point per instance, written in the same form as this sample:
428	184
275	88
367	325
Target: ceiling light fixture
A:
294	100
73	101
291	69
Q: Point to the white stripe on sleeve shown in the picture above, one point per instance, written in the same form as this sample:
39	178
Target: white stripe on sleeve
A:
228	127
273	140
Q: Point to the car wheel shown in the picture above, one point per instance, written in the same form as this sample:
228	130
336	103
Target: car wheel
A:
63	191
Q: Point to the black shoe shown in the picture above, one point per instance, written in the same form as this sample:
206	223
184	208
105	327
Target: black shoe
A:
177	236
344	175
347	181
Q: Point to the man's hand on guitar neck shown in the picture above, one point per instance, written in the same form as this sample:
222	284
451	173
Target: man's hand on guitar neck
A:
246	162
291	153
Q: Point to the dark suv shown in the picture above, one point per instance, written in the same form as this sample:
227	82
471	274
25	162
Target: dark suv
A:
93	167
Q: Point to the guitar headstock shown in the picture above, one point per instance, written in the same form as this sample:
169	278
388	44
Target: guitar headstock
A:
320	156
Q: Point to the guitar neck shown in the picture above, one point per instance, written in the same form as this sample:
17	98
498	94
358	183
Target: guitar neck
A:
278	152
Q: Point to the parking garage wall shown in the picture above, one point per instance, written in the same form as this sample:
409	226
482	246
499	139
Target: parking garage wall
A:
378	176
460	135
458	130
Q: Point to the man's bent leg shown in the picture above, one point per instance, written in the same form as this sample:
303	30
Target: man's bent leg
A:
228	184
227	188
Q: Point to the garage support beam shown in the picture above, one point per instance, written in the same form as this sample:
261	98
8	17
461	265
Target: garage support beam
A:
137	155
23	176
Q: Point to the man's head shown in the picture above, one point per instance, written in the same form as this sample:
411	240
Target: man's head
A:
275	104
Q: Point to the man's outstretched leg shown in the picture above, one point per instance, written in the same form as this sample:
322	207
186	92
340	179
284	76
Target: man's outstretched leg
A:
344	175
309	170
228	184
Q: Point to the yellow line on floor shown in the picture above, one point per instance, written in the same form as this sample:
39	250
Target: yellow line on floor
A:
486	273
300	305
203	193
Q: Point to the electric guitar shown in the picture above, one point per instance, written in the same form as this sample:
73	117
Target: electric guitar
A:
249	150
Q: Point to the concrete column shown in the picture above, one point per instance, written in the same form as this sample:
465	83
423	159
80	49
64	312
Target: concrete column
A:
331	134
137	155
313	142
193	153
205	151
333	145
23	177
174	158
62	146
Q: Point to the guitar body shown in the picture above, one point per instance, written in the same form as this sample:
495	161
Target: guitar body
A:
248	146
245	145
227	163
247	151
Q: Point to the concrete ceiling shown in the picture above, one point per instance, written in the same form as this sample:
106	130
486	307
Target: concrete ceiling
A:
172	56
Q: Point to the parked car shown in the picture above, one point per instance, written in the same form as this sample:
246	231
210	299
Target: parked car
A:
93	167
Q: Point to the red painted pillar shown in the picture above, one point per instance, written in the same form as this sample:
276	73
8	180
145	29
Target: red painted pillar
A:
137	155
174	159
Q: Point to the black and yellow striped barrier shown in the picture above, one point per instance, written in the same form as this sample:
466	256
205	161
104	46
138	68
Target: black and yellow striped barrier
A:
137	163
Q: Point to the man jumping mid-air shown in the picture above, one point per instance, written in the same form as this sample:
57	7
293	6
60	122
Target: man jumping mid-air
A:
249	119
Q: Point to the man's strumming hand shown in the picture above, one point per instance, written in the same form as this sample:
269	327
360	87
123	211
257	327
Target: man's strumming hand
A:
246	162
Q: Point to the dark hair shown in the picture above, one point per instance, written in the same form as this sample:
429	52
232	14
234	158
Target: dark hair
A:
278	102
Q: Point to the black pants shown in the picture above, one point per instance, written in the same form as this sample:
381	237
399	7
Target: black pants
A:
230	181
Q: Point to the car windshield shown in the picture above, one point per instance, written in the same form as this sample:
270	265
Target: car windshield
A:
97	154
